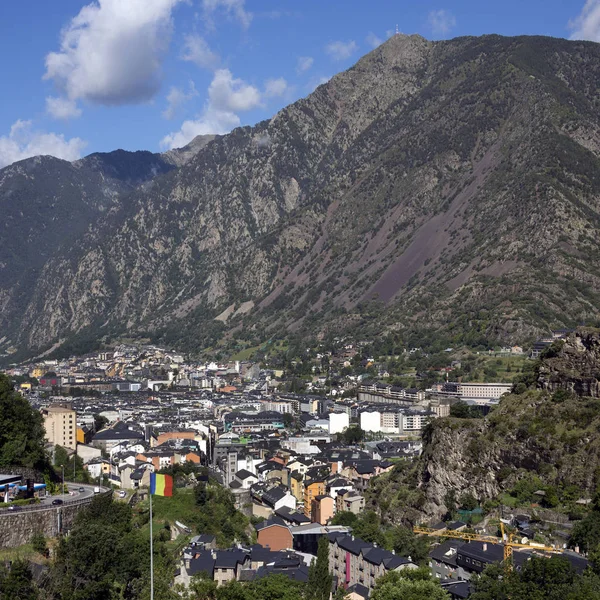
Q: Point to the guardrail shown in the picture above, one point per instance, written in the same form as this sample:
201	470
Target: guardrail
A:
43	507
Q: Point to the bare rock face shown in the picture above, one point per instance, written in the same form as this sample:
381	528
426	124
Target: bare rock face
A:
573	365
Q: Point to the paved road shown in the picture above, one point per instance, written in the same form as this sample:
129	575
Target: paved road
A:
74	493
73	497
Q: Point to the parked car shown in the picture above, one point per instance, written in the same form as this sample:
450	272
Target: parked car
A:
57	501
81	489
13	507
96	490
122	494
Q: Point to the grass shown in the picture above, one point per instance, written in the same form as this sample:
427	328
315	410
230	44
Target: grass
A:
245	354
25	551
506	367
180	507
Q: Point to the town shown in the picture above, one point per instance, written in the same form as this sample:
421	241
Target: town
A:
299	465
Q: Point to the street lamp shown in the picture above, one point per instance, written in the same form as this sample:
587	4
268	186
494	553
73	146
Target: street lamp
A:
63	481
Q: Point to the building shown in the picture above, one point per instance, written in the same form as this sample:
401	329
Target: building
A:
312	489
61	426
322	509
349	501
274	534
117	434
356	562
338	421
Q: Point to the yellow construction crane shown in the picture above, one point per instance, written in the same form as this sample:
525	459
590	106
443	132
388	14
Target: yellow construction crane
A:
507	540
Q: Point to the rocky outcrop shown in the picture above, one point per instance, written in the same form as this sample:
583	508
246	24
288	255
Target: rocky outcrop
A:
555	437
573	365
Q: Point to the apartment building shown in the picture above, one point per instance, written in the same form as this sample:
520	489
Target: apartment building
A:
61	426
312	489
354	561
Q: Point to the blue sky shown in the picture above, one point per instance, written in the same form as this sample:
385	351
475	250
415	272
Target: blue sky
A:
80	77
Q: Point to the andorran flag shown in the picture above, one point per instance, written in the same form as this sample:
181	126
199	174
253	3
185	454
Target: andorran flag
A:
161	485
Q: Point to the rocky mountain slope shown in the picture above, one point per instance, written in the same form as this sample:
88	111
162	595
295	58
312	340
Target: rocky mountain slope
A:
449	186
551	431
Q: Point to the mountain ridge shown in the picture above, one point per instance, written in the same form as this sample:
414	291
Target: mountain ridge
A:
434	186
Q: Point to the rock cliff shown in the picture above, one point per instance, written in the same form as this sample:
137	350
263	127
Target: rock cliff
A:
555	436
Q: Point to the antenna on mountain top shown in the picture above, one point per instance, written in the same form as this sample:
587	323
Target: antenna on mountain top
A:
397	31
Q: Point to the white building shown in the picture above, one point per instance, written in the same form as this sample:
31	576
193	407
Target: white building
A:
484	390
338	421
370	420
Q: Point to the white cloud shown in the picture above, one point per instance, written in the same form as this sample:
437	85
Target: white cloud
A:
227	96
234	8
62	108
23	142
111	53
586	26
231	94
304	63
276	87
441	21
176	98
374	40
196	50
211	122
341	50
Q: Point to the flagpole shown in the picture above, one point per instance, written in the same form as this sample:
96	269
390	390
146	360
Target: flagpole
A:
151	553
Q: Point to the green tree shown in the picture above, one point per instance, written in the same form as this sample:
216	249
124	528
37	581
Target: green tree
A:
21	430
319	577
202	587
400	585
353	434
276	587
405	543
16	583
344	517
38	542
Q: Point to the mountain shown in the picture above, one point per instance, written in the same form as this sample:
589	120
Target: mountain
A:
448	188
544	438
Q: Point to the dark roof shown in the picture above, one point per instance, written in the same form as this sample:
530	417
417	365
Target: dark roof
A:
296	572
359	589
455	525
578	562
270	523
446	552
203	563
273	495
244	474
293	516
371	553
229	559
119	431
459	589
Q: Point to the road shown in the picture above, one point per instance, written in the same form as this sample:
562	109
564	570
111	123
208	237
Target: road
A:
74	493
74	496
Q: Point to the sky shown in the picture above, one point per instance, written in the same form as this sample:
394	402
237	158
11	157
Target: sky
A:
93	76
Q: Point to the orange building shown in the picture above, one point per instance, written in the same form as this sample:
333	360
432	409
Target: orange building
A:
322	509
274	534
312	489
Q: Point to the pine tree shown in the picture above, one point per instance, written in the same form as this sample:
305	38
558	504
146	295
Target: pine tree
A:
319	578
